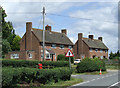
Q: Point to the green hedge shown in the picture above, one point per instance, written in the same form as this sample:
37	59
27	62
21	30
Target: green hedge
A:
62	57
26	63
90	65
13	76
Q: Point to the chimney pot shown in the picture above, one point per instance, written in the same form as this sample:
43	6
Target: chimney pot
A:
48	28
100	38
64	31
90	36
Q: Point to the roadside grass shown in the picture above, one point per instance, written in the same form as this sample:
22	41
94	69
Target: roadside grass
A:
62	84
90	73
86	73
112	67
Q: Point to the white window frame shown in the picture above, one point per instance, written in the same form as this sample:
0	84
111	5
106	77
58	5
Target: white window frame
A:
96	50
70	47
91	49
101	50
53	45
106	51
61	47
30	55
14	56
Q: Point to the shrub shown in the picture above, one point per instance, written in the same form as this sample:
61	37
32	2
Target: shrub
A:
62	57
90	65
26	63
12	76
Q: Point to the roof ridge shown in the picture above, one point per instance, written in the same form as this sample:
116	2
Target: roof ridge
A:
91	39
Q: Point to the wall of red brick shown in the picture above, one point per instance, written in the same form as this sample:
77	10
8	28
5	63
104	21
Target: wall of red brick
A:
23	55
98	53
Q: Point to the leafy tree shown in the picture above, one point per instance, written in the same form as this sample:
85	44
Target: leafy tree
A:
5	47
15	43
114	55
8	35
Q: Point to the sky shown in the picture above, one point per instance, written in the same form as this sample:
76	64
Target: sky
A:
97	18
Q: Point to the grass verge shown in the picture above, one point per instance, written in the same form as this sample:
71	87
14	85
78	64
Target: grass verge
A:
62	84
112	67
90	73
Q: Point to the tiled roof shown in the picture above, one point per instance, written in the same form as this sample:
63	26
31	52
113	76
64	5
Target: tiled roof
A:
93	43
52	37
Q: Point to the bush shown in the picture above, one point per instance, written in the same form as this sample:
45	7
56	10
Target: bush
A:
26	63
90	65
62	57
13	76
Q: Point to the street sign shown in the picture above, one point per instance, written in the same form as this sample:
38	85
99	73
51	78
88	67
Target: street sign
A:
69	53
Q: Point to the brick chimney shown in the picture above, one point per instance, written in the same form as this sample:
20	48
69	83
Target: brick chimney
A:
28	43
100	38
48	28
80	44
90	36
64	31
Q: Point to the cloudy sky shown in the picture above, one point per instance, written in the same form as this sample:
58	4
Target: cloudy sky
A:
97	18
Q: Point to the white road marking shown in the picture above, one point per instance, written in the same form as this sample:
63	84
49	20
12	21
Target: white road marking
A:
80	83
114	84
93	80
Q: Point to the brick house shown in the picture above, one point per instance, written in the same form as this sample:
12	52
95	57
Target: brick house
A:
90	47
31	44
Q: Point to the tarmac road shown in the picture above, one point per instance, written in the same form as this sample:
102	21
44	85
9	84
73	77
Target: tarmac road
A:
109	80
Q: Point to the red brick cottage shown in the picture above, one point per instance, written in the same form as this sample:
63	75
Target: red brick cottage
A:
31	44
90	47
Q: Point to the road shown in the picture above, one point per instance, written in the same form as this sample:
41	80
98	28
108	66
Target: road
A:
109	80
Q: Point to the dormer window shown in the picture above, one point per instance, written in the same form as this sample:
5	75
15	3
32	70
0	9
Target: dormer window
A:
53	46
62	46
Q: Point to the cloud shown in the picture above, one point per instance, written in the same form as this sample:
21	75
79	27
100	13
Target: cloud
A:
101	24
98	12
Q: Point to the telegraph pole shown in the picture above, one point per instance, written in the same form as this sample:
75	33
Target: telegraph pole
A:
43	33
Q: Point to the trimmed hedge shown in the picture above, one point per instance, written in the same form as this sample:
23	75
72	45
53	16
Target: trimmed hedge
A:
90	65
62	57
13	76
26	63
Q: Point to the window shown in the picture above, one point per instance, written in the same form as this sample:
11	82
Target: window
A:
105	51
101	50
47	56
14	56
53	46
70	47
101	57
41	55
30	55
90	49
62	46
96	50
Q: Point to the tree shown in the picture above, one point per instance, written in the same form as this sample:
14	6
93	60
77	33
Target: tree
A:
16	43
5	47
114	55
8	35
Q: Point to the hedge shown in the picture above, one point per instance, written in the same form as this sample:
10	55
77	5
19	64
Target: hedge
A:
90	65
62	57
13	76
28	63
